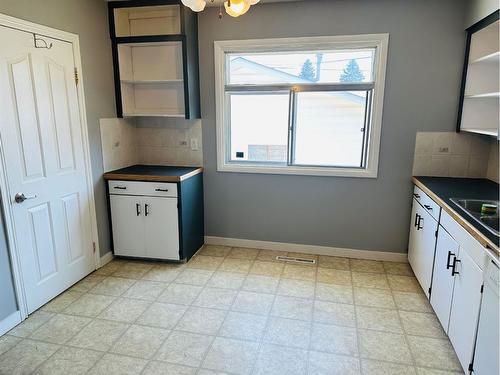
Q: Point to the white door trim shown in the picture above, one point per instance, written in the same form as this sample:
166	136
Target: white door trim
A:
31	27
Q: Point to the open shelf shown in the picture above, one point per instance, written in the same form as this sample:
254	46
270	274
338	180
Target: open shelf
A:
151	81
491	58
147	20
488	95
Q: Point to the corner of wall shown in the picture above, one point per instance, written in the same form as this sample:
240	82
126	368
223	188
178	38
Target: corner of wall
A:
119	145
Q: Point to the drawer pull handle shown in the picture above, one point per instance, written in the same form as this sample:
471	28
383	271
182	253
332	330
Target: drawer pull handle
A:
420	220
453	267
416	195
417	219
428	207
448	265
120	187
164	190
138	209
146	209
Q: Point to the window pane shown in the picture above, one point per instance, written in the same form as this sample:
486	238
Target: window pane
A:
259	127
329	128
302	67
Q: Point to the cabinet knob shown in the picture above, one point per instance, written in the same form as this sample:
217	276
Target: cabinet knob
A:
138	209
146	209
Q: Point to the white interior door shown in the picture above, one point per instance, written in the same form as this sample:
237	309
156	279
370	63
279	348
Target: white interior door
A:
42	147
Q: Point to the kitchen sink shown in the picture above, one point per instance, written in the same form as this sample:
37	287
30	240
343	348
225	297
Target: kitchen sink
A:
472	207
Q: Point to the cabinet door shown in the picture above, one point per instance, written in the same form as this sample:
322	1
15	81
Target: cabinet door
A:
421	256
442	280
162	228
128	225
465	308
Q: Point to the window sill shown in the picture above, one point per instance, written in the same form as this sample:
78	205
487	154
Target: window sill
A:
301	171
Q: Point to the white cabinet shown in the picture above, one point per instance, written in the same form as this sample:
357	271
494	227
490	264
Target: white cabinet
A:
422	242
145	226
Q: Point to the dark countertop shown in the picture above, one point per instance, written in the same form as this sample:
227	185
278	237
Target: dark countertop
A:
157	173
445	188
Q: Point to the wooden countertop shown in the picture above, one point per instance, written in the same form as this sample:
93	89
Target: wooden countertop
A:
440	189
153	173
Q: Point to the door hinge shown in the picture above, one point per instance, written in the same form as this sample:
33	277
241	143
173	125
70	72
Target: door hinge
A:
482	288
430	291
76	76
471	368
93	247
436	234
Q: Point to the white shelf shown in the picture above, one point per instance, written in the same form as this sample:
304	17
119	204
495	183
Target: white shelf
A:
154	113
151	81
482	131
488	95
491	58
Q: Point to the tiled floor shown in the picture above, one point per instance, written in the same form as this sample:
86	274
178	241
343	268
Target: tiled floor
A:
235	311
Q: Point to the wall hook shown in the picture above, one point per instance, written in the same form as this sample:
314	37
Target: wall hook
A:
43	42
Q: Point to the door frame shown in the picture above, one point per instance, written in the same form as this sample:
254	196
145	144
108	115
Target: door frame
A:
33	28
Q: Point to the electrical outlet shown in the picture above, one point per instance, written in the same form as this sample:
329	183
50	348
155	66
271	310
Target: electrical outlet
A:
194	144
183	143
443	150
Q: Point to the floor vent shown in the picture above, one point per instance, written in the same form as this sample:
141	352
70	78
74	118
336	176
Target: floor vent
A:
295	260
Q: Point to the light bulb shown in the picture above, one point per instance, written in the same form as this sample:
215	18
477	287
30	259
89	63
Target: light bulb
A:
198	5
237	8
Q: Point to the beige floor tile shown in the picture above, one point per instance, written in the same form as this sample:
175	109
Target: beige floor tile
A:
274	269
236	265
404	283
257	303
428	371
34	321
292	308
334	293
378	319
180	294
133	270
299	272
337	263
98	335
194	276
163	273
215	298
333	364
279	360
69	361
162	315
296	288
385	368
112	364
436	353
226	280
243	326
88	283
363	265
261	284
334	339
201	320
395	268
412	302
145	290
162	368
110	268
370	280
334	313
243	253
125	310
234	356
205	262
7	342
25	357
62	301
307	256
384	346
140	341
374	297
89	305
215	250
421	324
184	348
334	276
113	286
270	255
288	332
60	328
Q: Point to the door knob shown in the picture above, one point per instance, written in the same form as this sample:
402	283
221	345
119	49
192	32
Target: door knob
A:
20	197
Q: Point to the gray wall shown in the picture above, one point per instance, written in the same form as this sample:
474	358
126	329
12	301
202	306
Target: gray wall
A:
478	9
88	19
8	304
422	87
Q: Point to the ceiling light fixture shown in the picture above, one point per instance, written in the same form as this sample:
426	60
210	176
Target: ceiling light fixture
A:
234	8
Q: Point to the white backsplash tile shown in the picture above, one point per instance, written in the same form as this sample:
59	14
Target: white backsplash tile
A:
118	140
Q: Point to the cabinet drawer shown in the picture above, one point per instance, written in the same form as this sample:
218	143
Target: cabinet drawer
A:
153	189
432	207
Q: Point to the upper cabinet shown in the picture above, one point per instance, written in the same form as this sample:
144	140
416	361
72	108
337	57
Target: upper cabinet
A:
155	58
480	93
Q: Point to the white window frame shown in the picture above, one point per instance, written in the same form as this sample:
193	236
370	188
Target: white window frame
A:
378	41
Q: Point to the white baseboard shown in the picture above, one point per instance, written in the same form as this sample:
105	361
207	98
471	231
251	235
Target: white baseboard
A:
308	249
10	322
106	258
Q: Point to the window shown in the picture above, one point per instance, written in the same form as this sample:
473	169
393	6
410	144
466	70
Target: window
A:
300	106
